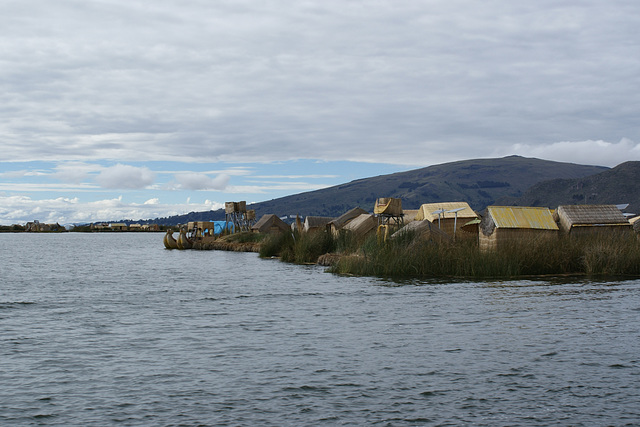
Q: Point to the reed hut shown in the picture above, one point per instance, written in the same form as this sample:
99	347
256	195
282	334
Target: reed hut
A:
315	223
270	223
336	225
590	219
362	225
505	225
424	230
450	217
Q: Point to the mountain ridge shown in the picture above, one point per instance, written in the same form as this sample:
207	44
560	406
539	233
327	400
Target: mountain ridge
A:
613	186
479	182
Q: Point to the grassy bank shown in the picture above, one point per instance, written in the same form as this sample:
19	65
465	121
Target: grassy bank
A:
413	257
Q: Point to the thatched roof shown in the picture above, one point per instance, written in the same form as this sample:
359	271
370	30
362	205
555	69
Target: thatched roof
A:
591	214
270	222
519	217
347	216
427	209
362	224
424	229
311	222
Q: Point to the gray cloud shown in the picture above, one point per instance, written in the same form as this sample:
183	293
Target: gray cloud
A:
410	83
201	181
125	177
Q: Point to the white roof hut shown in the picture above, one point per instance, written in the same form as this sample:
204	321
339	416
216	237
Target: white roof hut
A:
515	224
270	223
583	219
449	216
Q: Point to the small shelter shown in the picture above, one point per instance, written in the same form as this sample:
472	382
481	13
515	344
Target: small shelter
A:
515	224
450	217
362	225
424	229
315	223
335	225
585	219
270	223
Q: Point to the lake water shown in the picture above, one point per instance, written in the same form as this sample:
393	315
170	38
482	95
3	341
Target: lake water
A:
112	329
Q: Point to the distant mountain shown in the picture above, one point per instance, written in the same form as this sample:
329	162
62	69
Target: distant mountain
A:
613	186
479	182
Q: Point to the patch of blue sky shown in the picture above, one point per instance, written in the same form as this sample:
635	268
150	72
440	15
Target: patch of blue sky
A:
251	181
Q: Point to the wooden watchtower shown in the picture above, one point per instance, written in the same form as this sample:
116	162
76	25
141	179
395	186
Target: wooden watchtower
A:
237	214
389	211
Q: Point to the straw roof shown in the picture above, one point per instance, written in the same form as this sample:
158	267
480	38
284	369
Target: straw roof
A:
311	222
427	209
270	222
591	214
521	217
362	224
347	216
424	228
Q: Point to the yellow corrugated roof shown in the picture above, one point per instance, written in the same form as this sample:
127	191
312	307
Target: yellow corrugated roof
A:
522	217
427	209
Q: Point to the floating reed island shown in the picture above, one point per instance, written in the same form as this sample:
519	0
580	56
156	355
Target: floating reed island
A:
445	240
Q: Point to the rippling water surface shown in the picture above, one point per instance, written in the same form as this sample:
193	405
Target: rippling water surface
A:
112	329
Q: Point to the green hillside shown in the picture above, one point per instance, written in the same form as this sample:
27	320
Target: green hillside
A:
479	182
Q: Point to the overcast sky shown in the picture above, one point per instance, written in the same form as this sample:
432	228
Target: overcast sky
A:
137	109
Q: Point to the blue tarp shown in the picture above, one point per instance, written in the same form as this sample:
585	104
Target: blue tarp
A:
218	227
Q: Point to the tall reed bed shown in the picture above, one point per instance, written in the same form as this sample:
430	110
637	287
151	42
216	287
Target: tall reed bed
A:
299	248
412	256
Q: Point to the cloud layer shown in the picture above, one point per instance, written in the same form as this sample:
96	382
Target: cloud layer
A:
99	98
22	209
411	83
